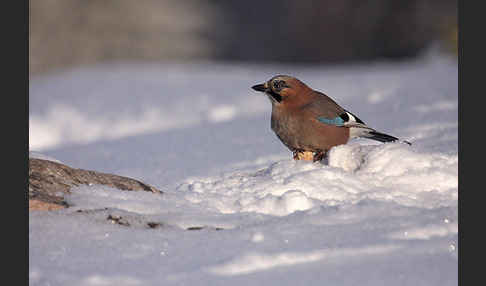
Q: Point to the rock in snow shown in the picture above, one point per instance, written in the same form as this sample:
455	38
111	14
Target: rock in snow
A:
49	181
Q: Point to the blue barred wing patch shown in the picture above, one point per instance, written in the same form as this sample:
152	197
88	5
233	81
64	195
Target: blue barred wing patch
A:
337	121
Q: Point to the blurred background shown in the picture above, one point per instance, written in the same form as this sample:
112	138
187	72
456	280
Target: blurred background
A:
68	33
160	90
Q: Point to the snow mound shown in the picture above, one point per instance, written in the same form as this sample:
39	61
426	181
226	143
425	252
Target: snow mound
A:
390	172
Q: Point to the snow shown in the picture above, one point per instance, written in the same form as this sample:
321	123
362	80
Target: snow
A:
236	208
37	155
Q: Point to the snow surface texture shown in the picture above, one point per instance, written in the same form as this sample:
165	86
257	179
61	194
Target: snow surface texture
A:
237	210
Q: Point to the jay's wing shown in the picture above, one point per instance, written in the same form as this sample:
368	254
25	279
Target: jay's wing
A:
327	111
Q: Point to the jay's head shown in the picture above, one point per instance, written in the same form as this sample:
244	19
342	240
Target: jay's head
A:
282	89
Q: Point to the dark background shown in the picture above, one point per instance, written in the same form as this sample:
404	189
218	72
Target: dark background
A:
68	33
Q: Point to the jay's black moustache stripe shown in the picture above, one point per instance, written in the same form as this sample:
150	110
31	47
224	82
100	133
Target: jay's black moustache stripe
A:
276	96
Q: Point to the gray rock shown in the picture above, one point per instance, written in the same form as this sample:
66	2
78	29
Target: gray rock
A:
49	181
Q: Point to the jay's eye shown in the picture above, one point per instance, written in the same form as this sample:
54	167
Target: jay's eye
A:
279	84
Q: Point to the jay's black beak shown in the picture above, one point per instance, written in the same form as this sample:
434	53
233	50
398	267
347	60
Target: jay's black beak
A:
259	87
268	91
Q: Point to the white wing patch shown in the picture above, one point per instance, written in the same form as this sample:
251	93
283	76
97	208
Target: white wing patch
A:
351	117
357	127
350	120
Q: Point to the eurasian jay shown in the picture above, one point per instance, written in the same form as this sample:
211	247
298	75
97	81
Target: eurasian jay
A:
309	122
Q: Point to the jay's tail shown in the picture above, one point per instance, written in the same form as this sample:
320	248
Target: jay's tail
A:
357	128
382	137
